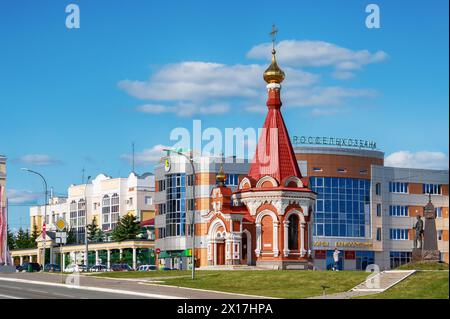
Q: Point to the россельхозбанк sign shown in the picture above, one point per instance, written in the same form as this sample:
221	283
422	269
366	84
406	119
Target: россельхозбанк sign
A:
334	141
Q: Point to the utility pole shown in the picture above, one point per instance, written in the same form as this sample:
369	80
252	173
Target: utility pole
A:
44	226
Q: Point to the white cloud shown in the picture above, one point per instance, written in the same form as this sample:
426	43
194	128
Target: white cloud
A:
323	96
22	196
184	109
38	159
201	88
307	53
421	159
147	156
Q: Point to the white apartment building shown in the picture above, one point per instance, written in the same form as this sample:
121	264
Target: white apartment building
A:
104	198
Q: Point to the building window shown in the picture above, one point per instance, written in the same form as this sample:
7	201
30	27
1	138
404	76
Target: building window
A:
190	204
148	200
379	234
364	259
190	180
73	214
232	180
317	169
398	234
114	210
342	206
398	187
399	258
399	211
106	212
363	171
293	232
438	212
379	210
161	185
434	189
130	201
342	170
378	189
439	234
175	205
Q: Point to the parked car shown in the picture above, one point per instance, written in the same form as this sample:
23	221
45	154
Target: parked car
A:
121	267
52	268
75	268
26	267
146	268
98	268
167	268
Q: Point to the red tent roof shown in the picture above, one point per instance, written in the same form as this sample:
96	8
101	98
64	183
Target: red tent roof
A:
274	154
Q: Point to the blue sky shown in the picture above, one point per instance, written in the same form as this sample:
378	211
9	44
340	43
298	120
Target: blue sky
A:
74	98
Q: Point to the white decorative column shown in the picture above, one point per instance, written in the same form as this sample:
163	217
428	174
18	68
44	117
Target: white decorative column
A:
63	256
275	239
21	260
108	258
120	254
302	239
30	259
286	238
258	240
134	258
96	257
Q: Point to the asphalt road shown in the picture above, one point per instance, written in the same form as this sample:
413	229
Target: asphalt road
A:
19	290
45	285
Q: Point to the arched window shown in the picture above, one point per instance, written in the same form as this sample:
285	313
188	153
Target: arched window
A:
293	232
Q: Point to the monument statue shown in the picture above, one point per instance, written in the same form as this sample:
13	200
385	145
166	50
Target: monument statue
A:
426	235
418	237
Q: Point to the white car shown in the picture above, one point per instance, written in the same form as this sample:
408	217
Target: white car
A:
75	268
146	268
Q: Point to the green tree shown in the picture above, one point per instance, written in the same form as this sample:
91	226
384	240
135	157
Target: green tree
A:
34	235
127	228
95	234
22	239
11	239
71	237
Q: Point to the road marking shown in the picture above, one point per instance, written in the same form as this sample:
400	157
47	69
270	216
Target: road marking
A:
9	297
107	290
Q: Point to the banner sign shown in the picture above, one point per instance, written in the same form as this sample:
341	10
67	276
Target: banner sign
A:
334	141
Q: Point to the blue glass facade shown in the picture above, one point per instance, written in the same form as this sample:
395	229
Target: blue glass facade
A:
176	205
342	206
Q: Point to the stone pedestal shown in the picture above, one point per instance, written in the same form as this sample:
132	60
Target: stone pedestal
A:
419	255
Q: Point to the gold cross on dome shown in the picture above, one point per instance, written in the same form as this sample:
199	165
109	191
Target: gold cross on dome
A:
273	35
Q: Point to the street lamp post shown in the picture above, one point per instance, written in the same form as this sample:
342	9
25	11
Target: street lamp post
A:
86	249
191	160
44	226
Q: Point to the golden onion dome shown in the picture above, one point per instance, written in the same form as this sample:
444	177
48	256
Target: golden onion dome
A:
273	74
221	177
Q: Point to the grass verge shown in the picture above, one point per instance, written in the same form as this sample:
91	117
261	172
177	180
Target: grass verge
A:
420	285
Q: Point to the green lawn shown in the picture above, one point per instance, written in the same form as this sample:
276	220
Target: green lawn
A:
421	285
424	266
273	283
270	283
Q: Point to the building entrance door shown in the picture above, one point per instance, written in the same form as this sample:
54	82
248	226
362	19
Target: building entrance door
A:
220	253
